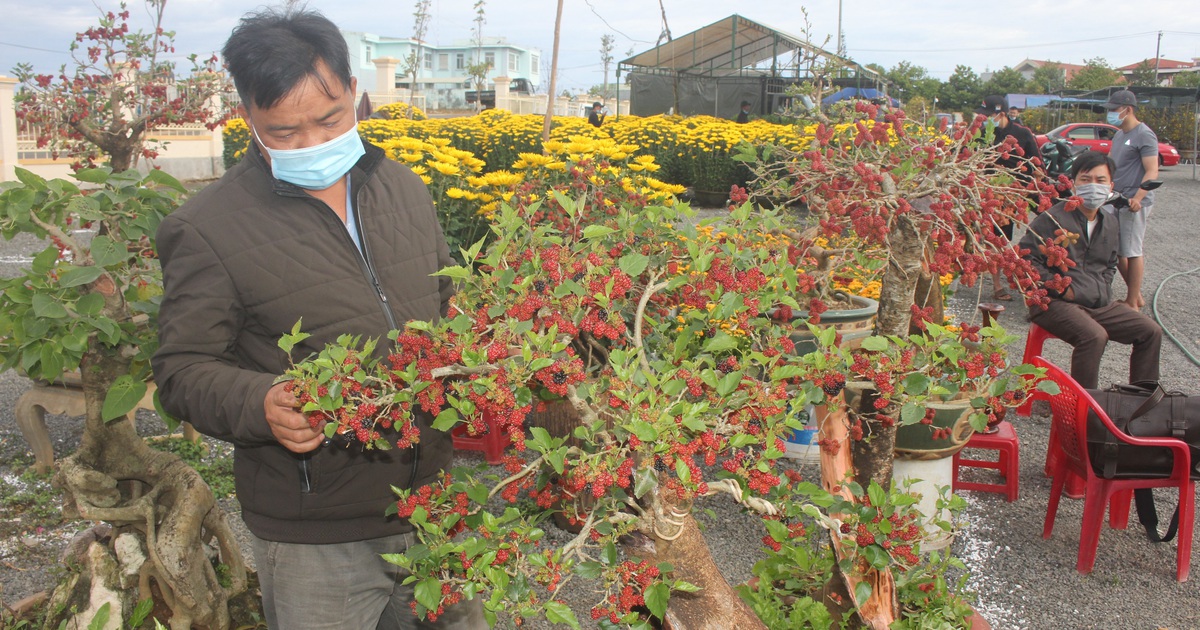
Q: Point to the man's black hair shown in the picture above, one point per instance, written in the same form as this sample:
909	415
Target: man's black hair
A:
1089	160
272	51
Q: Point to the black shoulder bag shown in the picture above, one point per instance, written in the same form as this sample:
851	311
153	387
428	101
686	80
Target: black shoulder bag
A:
1143	409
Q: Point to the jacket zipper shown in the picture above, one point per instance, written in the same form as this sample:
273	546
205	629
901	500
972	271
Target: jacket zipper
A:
365	256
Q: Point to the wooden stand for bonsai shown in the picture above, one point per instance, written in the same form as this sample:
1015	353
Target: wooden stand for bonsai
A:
62	397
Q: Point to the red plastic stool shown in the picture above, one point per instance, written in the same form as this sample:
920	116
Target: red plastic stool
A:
1033	347
492	443
1003	440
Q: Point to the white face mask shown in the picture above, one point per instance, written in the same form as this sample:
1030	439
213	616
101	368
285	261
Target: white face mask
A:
1093	195
316	167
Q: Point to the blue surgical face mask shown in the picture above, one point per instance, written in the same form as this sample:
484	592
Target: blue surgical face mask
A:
1114	118
316	167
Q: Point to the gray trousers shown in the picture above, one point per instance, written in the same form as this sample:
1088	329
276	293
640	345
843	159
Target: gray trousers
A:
346	586
1088	330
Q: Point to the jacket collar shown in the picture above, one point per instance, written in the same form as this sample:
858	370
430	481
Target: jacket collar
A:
363	170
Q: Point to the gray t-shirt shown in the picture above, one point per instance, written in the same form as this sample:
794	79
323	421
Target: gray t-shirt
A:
1128	149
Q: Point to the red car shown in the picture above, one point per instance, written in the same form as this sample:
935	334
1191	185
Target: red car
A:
1098	137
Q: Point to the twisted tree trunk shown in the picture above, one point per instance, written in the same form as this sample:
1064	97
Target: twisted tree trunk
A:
158	499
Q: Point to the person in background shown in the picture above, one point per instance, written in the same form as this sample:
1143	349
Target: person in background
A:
1135	152
744	114
312	225
1025	165
1084	314
597	115
1014	115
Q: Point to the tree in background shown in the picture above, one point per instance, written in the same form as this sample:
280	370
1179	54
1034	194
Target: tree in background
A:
478	68
606	58
1186	79
1094	75
1047	79
1144	75
121	87
913	81
1004	81
89	306
963	91
412	64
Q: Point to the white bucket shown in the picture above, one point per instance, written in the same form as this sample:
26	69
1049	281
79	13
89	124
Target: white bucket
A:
924	478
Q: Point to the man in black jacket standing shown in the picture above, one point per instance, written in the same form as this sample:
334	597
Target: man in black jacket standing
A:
1025	163
1084	314
312	225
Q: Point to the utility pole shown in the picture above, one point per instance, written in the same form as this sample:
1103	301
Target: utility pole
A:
841	49
1157	48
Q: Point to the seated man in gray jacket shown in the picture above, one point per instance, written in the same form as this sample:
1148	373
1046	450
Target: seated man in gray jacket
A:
1084	313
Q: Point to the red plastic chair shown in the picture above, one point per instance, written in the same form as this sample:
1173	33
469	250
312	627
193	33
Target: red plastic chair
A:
1033	348
1069	415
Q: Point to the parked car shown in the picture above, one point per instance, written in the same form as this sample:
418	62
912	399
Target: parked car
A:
1098	137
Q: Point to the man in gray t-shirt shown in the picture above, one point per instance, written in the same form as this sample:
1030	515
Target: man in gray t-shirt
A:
1135	152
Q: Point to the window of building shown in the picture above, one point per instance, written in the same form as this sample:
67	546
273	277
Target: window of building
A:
535	62
513	60
429	61
490	59
460	61
443	61
368	54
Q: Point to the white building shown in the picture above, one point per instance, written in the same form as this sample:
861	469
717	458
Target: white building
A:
442	77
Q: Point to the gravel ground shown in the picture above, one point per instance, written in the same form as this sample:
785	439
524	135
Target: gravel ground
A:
1022	581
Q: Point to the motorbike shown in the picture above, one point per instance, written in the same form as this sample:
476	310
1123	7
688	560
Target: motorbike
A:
1058	156
1117	200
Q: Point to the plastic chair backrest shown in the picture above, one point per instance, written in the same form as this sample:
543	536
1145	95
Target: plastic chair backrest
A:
1068	413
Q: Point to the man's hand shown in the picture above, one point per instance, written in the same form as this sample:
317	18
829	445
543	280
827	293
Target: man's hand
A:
1135	204
1069	294
289	426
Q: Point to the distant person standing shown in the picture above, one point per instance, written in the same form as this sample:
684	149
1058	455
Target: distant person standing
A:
596	117
1024	166
1135	152
1014	115
744	114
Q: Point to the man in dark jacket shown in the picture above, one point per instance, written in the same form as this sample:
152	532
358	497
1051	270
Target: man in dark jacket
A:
1026	164
1084	313
597	115
311	225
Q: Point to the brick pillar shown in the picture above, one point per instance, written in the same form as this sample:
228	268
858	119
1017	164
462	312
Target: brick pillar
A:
8	129
385	74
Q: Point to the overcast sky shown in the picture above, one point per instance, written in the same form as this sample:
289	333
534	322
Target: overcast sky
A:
936	34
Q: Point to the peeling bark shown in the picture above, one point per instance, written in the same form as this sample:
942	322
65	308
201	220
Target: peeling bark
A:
115	477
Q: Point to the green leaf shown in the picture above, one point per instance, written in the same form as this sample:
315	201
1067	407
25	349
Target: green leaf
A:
1050	387
74	276
48	307
557	612
596	231
106	251
123	397
171	421
862	592
720	343
428	593
657	596
875	343
140	612
446	419
89	304
644	480
729	383
52	360
644	430
589	570
100	621
93	175
45	261
911	413
634	264
916	383
455	273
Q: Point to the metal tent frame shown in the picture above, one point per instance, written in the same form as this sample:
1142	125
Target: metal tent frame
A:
719	65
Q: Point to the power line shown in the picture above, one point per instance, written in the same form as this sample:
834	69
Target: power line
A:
613	28
61	52
986	48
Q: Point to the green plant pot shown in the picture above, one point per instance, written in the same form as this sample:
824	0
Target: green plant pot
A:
853	324
916	441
